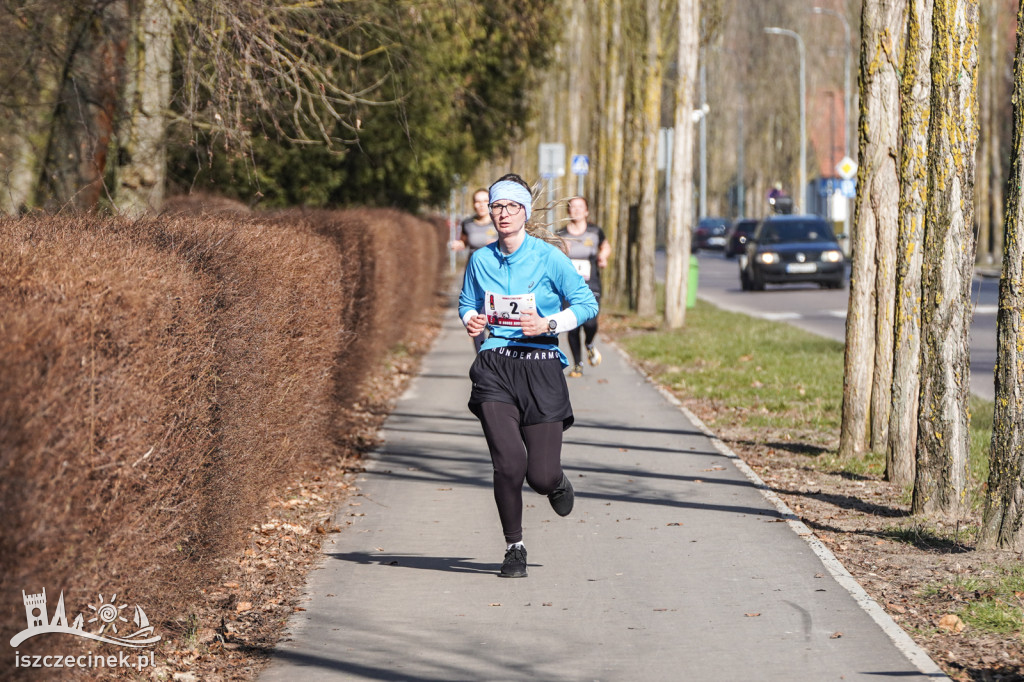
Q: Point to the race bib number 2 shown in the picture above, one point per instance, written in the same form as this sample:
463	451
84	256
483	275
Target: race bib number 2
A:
503	310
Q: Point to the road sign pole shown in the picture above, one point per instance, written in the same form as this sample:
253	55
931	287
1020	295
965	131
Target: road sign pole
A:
580	167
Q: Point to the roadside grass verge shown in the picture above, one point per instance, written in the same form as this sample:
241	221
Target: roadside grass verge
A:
770	379
765	383
992	601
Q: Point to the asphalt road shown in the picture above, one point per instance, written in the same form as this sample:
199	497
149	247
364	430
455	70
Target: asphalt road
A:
676	563
823	311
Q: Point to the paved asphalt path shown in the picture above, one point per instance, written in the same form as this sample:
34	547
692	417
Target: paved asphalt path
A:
674	565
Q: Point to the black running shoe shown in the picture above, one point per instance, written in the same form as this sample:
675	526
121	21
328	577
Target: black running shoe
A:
562	497
514	565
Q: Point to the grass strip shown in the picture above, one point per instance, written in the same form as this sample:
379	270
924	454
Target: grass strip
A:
768	377
773	380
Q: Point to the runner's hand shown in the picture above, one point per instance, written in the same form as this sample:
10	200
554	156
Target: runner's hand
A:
533	324
476	325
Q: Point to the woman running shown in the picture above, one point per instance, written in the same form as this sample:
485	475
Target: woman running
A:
515	289
589	251
476	232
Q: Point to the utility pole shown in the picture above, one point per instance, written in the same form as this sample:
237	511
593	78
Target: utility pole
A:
802	193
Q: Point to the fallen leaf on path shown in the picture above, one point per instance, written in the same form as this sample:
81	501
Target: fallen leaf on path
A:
835	635
673	524
243	606
751	615
495	604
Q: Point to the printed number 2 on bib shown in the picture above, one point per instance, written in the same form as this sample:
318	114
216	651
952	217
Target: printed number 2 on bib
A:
503	310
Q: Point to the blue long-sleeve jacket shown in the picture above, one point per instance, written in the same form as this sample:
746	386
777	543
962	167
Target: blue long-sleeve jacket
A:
535	267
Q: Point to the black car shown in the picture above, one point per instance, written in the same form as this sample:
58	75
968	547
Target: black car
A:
736	237
792	248
710	234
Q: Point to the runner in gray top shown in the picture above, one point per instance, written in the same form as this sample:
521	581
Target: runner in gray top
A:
589	251
476	232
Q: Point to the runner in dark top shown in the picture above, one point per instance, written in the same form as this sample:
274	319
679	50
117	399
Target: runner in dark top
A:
589	252
476	232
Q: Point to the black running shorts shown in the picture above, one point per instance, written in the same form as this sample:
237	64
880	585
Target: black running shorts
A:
529	378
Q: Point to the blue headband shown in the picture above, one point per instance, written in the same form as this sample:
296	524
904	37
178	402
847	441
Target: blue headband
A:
513	191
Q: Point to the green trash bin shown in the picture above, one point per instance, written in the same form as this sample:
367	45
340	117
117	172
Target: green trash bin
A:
691	285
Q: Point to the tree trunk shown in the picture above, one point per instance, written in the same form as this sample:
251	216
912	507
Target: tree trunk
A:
1003	522
142	151
677	247
600	113
982	185
31	49
996	156
612	167
629	206
943	417
23	161
85	116
877	207
916	88
646	302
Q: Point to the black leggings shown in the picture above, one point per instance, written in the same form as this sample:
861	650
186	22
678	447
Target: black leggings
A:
531	453
573	335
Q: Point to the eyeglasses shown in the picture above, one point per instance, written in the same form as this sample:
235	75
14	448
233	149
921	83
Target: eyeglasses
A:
511	209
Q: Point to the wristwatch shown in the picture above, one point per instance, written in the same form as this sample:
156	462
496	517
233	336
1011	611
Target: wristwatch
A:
552	325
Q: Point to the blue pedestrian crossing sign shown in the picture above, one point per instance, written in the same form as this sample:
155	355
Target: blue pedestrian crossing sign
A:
580	164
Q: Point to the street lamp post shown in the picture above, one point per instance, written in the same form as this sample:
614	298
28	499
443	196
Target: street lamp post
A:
802	194
846	74
847	102
702	131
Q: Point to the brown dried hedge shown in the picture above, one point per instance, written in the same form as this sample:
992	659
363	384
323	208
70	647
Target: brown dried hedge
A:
159	378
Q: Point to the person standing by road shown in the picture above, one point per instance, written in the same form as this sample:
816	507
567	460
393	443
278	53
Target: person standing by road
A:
476	232
589	251
515	288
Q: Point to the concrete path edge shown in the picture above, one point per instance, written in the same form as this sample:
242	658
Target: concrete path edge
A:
904	642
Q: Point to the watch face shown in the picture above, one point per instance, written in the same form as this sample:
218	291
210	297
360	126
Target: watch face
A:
552	325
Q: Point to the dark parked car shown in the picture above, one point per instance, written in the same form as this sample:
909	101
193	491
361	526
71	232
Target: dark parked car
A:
736	237
710	234
792	248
